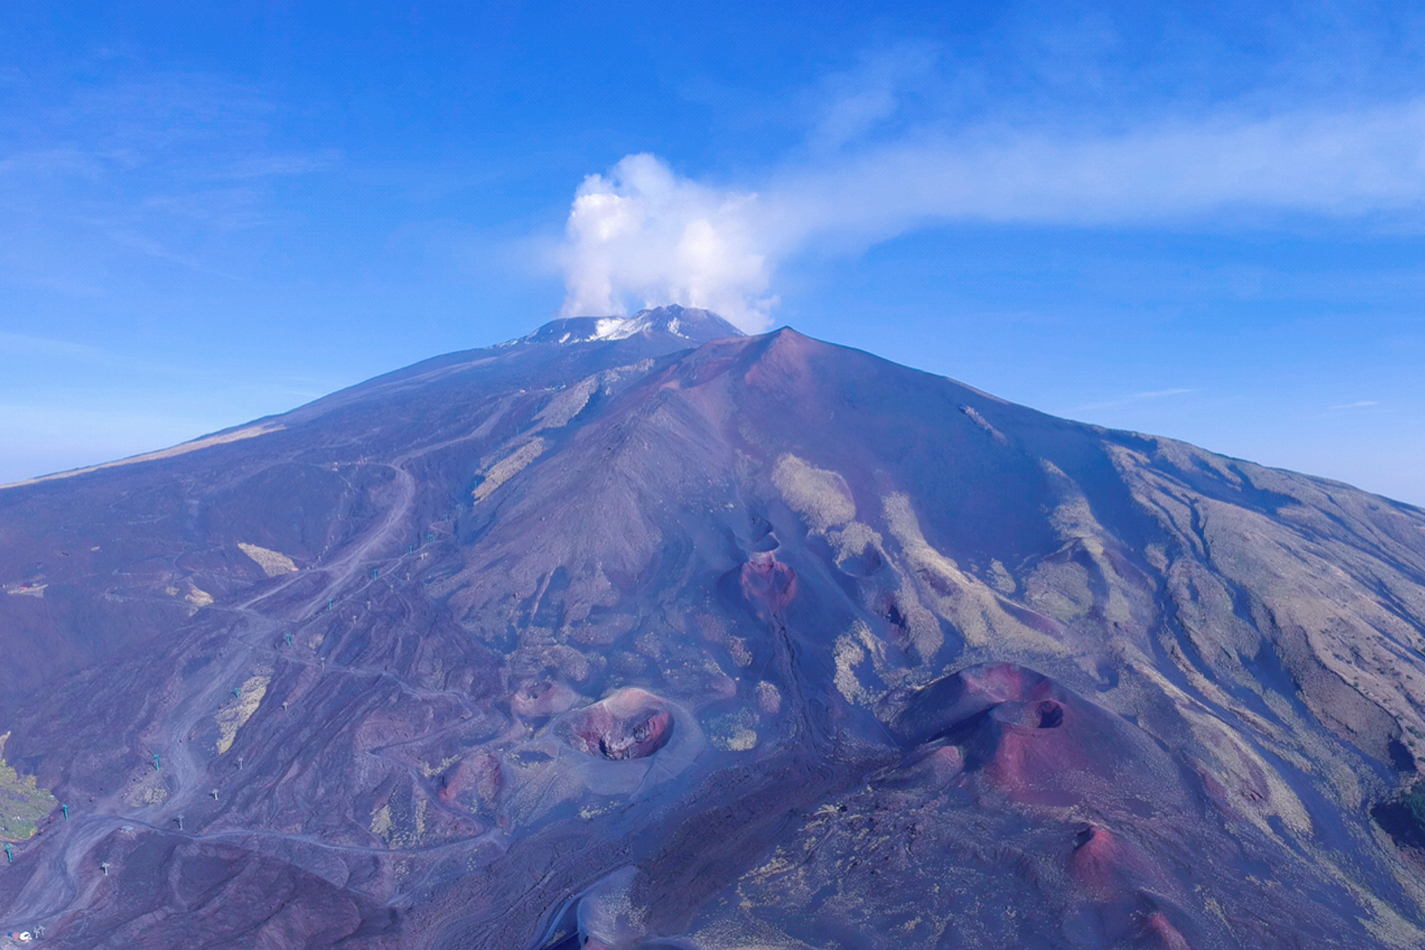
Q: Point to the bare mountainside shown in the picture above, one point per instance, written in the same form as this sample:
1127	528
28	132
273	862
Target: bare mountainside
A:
642	633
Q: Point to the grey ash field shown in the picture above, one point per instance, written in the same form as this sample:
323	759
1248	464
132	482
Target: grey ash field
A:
647	634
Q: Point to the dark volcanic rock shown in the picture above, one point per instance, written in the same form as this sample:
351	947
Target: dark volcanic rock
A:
645	634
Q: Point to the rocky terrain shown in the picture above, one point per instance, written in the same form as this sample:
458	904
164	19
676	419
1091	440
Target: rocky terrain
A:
641	633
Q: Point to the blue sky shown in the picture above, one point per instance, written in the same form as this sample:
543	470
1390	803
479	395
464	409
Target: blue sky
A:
1200	220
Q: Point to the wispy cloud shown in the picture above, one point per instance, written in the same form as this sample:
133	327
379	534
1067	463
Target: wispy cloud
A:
1130	399
26	347
644	233
1362	404
149	247
155	170
274	166
1159	393
845	107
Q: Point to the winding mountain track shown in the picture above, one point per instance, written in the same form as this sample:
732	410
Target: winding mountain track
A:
46	896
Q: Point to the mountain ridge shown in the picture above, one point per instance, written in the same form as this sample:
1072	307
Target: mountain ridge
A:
638	643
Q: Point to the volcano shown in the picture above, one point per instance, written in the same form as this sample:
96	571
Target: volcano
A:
641	633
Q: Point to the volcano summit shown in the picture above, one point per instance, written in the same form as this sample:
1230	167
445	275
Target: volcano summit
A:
641	633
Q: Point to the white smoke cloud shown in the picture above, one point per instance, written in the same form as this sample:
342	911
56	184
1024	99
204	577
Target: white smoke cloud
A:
645	235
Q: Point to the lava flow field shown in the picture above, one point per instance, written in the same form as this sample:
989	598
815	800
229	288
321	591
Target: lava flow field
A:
642	633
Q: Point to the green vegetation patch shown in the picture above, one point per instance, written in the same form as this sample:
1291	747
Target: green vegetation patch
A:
1404	818
22	802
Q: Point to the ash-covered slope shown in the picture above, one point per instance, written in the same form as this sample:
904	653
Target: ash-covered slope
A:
644	634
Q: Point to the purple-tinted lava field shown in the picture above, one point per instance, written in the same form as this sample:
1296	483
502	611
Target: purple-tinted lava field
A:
641	633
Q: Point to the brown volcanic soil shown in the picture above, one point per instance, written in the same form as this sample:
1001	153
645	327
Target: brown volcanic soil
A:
714	642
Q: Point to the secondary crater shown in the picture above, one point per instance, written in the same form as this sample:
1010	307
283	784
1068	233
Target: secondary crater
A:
630	724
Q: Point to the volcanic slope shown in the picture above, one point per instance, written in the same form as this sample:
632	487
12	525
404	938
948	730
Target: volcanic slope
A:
641	633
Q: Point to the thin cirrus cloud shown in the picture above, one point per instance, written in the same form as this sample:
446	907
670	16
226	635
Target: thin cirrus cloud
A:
644	234
17	348
176	169
1131	399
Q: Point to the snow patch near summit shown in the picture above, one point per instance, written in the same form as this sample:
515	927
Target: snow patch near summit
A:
621	328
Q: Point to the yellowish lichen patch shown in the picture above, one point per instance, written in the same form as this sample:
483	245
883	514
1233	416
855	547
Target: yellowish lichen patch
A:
203	443
568	404
381	821
273	563
976	610
148	790
734	732
852	541
590	812
849	655
431	771
737	649
22	802
232	718
820	496
508	467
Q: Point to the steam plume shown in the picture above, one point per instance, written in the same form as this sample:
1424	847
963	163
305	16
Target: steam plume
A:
644	235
